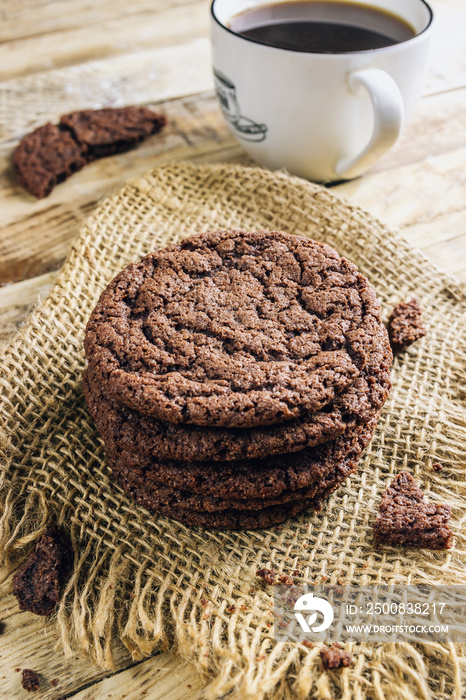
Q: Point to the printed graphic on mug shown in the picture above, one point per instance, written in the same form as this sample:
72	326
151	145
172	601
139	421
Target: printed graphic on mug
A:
245	128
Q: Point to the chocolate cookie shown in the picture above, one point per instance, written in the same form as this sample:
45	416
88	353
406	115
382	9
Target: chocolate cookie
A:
130	431
104	132
244	519
260	479
51	153
179	498
234	329
45	157
157	495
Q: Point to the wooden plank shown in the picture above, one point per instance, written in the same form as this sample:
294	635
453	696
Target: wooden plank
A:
27	18
17	300
438	126
447	65
426	200
110	37
161	678
139	78
30	641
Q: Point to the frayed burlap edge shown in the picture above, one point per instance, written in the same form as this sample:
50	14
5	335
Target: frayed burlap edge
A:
156	584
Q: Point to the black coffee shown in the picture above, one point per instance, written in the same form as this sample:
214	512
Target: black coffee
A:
314	26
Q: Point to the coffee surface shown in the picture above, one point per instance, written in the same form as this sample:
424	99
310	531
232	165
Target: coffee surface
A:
322	27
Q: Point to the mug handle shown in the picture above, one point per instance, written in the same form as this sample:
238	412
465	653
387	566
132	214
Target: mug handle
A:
388	119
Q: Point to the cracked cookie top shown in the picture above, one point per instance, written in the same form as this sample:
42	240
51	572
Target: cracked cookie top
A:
233	329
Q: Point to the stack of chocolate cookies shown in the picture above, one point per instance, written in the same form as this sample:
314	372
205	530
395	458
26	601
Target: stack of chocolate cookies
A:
237	377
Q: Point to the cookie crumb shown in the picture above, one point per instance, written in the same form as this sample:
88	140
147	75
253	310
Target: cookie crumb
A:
335	658
404	325
268	575
30	680
437	467
308	645
404	518
230	609
272	579
54	682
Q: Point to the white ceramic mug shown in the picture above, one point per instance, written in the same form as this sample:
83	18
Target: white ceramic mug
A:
321	116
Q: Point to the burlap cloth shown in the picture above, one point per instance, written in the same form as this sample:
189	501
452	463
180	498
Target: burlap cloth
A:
153	582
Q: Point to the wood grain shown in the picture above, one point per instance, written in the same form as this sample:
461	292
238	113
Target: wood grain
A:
33	642
112	36
447	66
144	77
17	300
61	55
37	235
22	19
426	200
161	678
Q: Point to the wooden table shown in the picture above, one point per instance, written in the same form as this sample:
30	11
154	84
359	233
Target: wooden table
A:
63	55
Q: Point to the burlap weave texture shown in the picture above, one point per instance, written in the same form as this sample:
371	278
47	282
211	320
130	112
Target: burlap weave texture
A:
156	583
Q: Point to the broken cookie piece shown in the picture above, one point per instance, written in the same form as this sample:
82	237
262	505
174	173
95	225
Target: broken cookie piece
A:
104	132
404	518
30	680
335	658
38	583
46	157
51	153
404	324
